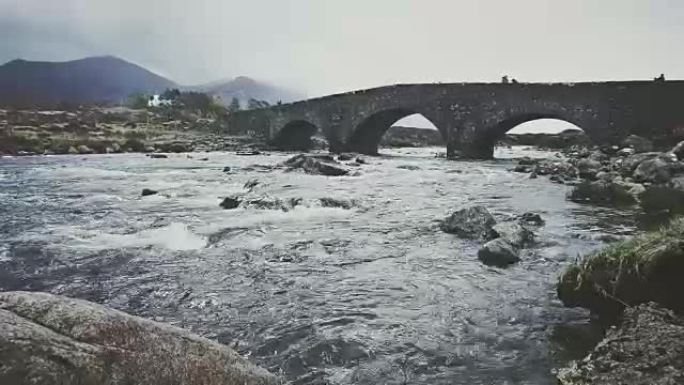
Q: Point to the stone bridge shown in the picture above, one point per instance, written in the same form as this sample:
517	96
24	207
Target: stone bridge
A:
473	116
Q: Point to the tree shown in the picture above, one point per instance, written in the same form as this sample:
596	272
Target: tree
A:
137	100
234	105
170	94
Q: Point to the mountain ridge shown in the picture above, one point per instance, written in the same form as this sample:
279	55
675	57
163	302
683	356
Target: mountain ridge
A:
109	79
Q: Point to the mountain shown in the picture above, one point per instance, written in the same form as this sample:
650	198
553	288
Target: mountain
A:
89	80
245	88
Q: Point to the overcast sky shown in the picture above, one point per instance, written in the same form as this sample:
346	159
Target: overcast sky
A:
325	46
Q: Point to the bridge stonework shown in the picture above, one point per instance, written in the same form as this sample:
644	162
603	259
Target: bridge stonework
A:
473	116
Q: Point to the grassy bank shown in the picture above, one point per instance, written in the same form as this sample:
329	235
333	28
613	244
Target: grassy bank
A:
648	267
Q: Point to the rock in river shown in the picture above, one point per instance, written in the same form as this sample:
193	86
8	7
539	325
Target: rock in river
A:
52	340
316	164
147	192
473	222
230	203
514	233
498	252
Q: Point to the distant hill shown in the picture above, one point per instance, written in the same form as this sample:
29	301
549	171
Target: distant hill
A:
90	80
245	88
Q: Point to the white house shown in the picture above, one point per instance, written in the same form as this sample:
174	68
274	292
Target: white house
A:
156	101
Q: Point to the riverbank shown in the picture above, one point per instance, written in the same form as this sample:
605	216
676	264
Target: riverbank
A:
634	287
114	130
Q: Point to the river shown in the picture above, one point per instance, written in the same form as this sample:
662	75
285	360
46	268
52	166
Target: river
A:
373	294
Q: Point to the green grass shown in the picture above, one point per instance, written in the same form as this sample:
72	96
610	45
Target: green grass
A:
648	267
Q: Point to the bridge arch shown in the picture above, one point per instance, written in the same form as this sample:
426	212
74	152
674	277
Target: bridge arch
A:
365	136
295	135
483	143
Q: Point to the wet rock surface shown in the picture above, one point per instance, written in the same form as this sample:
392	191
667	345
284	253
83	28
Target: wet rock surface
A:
645	349
317	164
52	340
498	252
473	222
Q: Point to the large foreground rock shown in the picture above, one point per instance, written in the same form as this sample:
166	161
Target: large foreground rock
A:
52	340
647	349
473	222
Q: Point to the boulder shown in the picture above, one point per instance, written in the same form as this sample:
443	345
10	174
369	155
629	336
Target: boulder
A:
656	170
53	340
498	252
662	199
603	193
638	143
473	222
158	156
630	163
588	168
530	218
230	203
645	349
514	233
147	192
316	164
345	156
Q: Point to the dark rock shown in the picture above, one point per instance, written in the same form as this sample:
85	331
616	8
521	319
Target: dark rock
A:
345	157
316	164
360	160
602	193
645	349
473	222
588	168
630	163
662	199
158	156
52	340
230	203
656	170
146	192
226	169
638	143
530	218
498	252
408	167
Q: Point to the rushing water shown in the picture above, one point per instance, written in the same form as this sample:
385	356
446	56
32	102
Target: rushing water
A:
374	294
